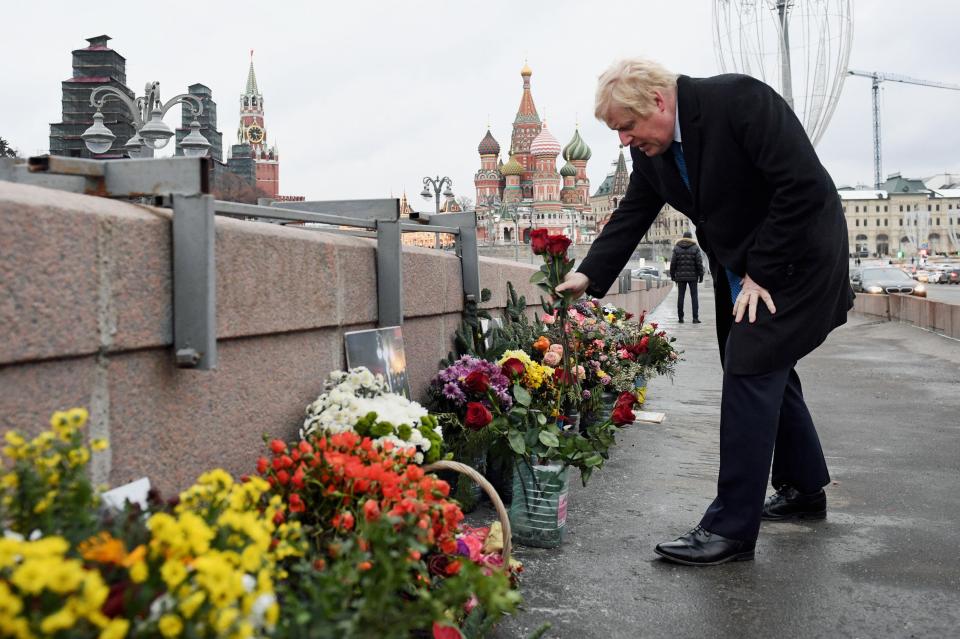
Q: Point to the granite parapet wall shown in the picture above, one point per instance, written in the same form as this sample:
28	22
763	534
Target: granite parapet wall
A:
939	317
86	320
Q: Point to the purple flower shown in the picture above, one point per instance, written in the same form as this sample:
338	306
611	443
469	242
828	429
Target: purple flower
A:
586	394
463	548
453	392
605	381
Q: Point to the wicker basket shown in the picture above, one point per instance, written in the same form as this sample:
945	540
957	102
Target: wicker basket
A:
491	493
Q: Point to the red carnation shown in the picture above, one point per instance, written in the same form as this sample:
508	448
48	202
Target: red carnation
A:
477	382
557	245
371	510
538	241
513	367
278	446
622	415
296	504
262	465
478	416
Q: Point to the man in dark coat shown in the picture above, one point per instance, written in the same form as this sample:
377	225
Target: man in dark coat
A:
731	155
686	269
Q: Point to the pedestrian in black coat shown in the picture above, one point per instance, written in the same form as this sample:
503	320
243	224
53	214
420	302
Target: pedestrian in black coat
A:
686	269
731	155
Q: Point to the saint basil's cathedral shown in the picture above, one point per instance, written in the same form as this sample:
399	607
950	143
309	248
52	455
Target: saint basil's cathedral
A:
527	191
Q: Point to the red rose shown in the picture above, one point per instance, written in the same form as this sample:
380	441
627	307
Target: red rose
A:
513	367
626	397
557	245
445	632
562	377
478	416
262	465
538	241
477	382
622	415
278	446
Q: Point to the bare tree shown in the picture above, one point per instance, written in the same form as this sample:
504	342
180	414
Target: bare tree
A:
233	188
465	202
7	151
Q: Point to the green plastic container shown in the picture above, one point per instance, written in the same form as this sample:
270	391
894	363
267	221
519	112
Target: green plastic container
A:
538	513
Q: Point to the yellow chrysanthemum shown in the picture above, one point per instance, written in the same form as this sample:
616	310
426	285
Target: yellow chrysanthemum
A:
116	629
170	626
60	620
99	444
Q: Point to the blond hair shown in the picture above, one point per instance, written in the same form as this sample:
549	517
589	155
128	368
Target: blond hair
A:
630	84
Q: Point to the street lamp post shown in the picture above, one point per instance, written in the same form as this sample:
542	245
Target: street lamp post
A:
437	184
151	132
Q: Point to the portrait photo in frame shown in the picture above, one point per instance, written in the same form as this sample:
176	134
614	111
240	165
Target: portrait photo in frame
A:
381	351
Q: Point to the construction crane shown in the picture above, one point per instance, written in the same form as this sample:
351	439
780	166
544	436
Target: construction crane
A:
877	78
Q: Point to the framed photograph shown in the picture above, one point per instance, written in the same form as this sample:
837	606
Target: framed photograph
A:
381	351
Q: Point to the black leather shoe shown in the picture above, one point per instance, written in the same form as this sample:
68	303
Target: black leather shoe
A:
700	547
680	321
789	503
696	321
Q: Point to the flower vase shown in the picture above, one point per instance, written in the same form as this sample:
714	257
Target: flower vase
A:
538	514
640	387
605	410
469	492
499	472
572	421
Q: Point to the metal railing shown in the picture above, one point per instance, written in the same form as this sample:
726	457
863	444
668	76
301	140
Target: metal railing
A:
182	185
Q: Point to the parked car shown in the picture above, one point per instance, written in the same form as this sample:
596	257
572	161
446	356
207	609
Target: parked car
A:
951	276
886	280
646	271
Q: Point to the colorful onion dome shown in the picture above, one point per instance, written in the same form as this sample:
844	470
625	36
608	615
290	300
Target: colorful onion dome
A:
526	70
512	167
577	149
488	145
568	170
545	143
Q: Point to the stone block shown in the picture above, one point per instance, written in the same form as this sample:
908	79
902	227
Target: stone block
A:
424	282
30	393
425	343
356	281
49	303
173	424
272	278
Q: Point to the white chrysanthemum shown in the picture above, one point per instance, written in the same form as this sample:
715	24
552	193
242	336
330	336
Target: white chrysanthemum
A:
351	396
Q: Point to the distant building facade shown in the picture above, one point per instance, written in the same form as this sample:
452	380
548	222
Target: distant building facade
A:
904	217
253	132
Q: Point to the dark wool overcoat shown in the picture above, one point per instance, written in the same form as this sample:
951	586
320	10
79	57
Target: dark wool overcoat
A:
762	204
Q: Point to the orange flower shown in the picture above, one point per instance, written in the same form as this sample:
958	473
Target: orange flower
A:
364	566
542	343
103	548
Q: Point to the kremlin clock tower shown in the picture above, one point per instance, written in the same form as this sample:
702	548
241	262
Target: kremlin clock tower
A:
253	131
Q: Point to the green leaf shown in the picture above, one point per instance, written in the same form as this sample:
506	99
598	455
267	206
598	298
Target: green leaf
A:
541	419
521	395
515	439
539	276
549	439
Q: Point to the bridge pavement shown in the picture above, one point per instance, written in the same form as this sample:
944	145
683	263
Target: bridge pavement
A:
886	562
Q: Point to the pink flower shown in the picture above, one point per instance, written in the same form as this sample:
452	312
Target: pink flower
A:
548	319
551	358
557	348
581	374
605	381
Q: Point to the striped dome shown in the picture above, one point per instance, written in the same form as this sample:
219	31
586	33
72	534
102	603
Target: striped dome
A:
512	167
577	149
545	143
568	170
488	145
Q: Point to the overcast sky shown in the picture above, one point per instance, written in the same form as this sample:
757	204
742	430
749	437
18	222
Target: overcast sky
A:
366	98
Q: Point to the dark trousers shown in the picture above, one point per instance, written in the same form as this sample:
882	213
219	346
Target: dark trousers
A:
762	416
681	287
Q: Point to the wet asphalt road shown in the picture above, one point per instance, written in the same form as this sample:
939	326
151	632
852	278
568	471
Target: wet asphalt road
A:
886	562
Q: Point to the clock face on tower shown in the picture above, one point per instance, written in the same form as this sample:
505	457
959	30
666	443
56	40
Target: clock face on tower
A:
255	134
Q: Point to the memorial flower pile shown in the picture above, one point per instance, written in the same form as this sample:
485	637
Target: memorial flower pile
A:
206	567
384	539
361	402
